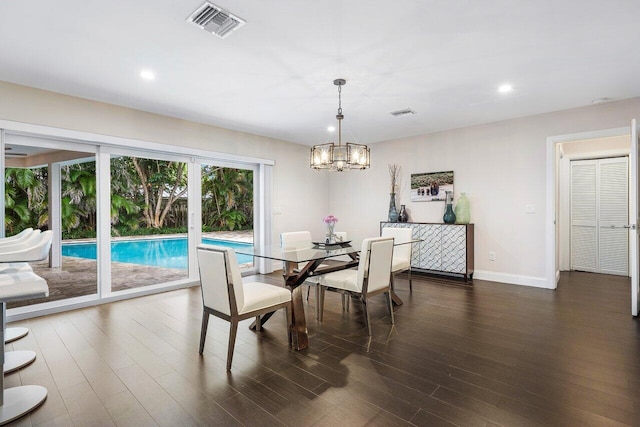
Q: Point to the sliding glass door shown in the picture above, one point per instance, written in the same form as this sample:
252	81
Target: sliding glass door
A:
49	185
125	221
227	205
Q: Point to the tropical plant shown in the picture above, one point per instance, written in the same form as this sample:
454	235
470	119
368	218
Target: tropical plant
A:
227	198
162	183
25	198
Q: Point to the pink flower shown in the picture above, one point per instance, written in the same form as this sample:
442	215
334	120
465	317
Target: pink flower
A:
330	220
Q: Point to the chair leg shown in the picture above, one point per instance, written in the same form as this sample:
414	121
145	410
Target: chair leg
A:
321	303
287	319
390	301
317	301
308	291
258	324
367	319
410	285
232	342
347	298
203	330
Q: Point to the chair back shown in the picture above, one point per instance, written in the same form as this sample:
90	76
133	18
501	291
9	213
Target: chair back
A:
35	248
374	269
294	241
20	237
400	235
27	241
220	272
42	248
341	236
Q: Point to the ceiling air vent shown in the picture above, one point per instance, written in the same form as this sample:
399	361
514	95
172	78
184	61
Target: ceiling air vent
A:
402	112
215	20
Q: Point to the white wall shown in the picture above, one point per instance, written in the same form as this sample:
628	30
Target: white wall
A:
501	166
298	190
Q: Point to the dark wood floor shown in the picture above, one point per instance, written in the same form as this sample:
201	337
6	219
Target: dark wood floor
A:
476	355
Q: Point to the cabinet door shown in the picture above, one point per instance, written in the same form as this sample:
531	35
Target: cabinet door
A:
427	255
454	248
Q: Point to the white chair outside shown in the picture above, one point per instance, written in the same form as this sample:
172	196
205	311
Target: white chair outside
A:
401	252
372	277
25	240
224	295
23	235
35	248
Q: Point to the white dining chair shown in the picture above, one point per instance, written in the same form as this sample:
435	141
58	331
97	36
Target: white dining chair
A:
372	277
224	295
401	252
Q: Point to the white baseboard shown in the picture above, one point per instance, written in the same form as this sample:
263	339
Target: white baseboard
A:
513	279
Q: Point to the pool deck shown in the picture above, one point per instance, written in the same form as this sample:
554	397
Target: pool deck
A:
78	276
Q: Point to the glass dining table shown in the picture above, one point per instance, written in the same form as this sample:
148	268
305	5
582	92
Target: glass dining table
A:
311	259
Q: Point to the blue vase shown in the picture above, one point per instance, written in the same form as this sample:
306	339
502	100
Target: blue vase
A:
449	217
393	212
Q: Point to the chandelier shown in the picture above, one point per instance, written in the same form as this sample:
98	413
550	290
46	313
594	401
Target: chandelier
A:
341	157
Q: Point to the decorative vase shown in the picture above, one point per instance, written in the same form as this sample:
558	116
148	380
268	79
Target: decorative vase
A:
393	213
463	215
402	215
449	217
331	237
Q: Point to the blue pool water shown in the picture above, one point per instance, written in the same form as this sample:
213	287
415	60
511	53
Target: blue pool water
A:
169	253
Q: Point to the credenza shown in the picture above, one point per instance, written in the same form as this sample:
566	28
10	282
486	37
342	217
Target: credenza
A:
444	248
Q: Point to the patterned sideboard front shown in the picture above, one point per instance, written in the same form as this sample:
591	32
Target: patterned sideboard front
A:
444	248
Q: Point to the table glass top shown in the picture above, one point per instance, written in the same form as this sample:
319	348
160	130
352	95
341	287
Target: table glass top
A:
298	254
295	254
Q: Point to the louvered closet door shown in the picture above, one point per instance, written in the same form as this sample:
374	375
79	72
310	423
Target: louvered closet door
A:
584	218
599	216
614	214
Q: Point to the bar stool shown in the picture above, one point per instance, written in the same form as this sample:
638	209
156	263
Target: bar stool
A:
18	401
14	262
16	332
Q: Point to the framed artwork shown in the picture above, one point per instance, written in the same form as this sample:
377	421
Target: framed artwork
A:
431	187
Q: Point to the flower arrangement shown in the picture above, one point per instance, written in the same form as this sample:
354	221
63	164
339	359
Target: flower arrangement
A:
330	220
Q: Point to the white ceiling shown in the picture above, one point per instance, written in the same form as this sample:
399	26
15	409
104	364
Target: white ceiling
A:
273	77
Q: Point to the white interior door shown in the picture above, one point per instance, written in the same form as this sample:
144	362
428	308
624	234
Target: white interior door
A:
599	215
584	216
613	216
633	216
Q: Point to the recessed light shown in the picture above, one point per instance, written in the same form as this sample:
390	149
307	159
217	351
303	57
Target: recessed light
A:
600	100
331	128
147	75
505	88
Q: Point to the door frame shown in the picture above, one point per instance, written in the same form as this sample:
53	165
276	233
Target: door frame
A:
552	192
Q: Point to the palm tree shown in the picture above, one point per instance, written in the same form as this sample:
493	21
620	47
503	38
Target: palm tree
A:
25	198
227	198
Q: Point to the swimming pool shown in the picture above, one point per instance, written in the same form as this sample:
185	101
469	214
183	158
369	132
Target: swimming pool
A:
168	253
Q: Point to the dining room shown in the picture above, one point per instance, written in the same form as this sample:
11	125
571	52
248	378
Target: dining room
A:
342	127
